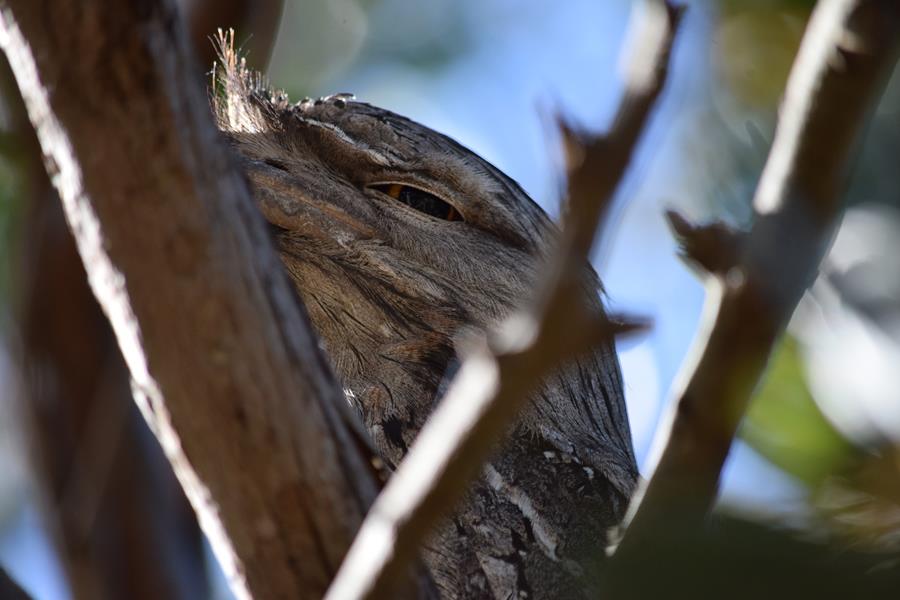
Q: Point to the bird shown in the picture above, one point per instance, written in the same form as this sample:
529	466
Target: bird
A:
400	242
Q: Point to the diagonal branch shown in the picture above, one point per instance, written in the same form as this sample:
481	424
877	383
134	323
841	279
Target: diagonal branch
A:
223	363
597	164
849	49
9	589
110	498
496	378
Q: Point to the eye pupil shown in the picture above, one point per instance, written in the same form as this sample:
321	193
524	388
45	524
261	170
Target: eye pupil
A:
420	200
394	190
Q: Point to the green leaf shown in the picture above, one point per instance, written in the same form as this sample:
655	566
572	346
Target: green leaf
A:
785	425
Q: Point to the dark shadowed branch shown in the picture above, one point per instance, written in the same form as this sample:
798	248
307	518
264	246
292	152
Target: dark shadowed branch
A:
9	589
222	360
496	377
256	23
756	279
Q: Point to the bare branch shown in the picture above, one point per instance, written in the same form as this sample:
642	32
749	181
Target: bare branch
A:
596	165
496	378
849	49
714	247
223	363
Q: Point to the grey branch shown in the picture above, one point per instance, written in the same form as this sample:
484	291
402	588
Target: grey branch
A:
848	51
222	360
497	375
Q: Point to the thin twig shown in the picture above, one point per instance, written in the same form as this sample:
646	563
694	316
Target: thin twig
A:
496	378
849	49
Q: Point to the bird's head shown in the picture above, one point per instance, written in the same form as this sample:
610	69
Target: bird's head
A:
397	239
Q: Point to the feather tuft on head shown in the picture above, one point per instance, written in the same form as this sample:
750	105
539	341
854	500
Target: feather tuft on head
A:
241	98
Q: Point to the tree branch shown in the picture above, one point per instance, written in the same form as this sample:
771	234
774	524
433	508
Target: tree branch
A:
223	363
597	163
120	521
9	589
496	378
847	52
256	23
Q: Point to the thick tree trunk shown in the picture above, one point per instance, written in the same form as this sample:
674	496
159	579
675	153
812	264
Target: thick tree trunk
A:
222	360
123	527
120	521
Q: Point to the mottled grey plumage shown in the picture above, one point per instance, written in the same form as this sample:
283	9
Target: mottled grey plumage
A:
388	290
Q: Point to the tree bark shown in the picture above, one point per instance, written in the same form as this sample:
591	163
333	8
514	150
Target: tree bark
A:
119	518
222	360
120	522
255	24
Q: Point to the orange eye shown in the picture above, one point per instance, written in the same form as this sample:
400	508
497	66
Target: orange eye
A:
419	200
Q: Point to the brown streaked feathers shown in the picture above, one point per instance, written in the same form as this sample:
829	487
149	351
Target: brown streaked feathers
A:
389	288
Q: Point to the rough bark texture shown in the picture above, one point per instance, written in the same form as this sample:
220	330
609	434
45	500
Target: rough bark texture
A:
120	521
124	527
222	360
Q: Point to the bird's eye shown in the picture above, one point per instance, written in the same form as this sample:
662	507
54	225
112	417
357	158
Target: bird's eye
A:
420	200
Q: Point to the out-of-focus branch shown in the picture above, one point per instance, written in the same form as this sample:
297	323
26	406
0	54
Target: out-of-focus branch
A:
256	24
596	164
222	359
755	280
495	379
9	589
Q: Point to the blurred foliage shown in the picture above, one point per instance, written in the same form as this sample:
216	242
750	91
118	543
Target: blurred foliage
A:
854	491
735	558
316	39
785	425
754	48
862	505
